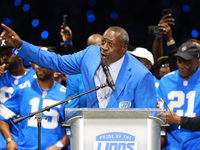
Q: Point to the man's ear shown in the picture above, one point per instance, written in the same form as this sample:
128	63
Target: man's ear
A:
124	49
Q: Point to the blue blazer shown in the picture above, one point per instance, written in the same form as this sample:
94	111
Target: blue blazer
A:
134	85
75	87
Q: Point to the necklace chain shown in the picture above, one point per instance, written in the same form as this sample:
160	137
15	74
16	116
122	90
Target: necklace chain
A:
44	92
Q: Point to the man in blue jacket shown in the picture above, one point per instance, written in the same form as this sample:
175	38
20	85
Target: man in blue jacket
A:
134	83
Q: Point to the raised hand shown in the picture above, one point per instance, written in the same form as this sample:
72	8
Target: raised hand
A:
10	36
166	31
167	19
66	37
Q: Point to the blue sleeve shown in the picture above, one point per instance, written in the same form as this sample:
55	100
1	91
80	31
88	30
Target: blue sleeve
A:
147	100
159	95
66	64
72	90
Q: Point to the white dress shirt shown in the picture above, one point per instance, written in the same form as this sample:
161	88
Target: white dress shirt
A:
103	95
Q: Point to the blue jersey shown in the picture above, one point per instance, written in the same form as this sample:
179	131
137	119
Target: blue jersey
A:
156	82
182	97
7	85
27	98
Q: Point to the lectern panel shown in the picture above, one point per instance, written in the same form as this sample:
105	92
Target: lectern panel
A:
115	129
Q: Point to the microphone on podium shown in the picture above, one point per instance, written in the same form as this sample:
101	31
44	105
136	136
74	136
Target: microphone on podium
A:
108	76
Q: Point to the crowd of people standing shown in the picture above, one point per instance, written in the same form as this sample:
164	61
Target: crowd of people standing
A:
175	80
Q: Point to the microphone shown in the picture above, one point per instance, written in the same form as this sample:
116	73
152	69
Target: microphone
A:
167	124
108	76
165	104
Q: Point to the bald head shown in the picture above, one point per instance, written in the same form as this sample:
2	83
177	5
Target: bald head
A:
94	39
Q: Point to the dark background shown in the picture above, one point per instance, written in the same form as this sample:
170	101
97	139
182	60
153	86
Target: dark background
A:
134	16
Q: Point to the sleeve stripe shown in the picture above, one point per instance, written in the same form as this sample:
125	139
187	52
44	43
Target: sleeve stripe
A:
6	113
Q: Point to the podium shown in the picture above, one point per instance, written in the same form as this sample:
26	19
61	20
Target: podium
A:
114	128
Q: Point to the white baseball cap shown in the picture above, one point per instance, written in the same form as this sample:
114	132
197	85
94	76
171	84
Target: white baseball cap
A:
142	53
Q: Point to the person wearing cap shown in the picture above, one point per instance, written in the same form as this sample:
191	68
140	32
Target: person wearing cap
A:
32	96
12	73
144	56
163	62
194	41
180	91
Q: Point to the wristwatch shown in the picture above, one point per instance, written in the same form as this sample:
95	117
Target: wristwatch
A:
171	42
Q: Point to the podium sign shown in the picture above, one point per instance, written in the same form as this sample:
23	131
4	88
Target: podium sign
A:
114	129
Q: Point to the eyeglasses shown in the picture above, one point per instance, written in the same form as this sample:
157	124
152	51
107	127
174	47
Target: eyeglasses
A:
164	65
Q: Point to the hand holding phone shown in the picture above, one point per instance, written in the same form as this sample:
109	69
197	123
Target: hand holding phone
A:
65	22
166	18
166	11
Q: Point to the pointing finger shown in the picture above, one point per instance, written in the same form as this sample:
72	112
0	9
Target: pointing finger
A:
6	27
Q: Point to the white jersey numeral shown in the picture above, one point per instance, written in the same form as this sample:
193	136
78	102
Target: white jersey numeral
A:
178	100
5	93
25	84
48	124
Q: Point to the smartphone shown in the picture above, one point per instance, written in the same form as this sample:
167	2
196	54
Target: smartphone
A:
153	29
166	11
65	22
